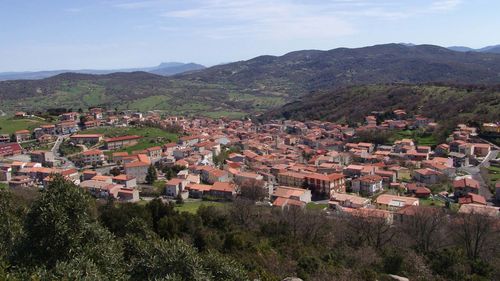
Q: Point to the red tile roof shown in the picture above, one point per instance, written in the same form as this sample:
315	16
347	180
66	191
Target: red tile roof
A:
123	138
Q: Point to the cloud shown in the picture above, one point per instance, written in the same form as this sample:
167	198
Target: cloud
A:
445	5
280	19
133	5
259	19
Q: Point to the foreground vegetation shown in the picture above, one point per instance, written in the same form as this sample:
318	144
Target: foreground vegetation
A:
192	207
62	234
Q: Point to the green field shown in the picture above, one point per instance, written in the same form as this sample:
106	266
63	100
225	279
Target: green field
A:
9	125
431	202
228	114
491	175
34	145
192	207
150	136
494	173
315	206
420	138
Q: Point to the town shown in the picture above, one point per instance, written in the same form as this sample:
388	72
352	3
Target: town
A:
135	157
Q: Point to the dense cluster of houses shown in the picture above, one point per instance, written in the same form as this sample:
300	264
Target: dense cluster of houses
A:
289	163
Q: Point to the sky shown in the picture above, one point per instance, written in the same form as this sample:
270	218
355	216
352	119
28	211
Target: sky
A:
111	34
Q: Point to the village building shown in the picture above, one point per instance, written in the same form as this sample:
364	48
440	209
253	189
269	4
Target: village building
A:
10	149
46	158
465	186
22	135
92	157
394	202
367	185
120	142
89	139
137	169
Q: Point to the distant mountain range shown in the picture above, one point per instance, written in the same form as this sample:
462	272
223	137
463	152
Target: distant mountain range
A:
495	49
300	72
166	69
258	84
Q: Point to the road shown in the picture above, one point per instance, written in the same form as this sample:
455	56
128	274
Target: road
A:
2	113
475	172
55	148
65	163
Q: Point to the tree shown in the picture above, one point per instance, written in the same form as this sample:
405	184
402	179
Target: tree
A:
179	200
55	222
10	222
171	172
425	228
243	211
476	233
372	231
115	171
61	228
159	210
253	190
223	268
151	176
154	258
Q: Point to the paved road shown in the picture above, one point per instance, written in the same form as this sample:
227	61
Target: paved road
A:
65	163
475	172
55	148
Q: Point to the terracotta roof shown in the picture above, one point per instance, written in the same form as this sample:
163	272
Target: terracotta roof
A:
83	136
287	192
199	187
92	152
479	209
127	191
281	202
398	201
135	164
223	186
123	177
472	198
174	181
465	182
341	197
370	179
123	138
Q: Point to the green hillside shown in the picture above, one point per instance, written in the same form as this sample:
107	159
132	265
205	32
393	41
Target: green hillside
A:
256	85
444	103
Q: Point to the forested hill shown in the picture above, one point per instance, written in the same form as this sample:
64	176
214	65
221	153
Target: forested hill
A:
312	69
444	103
255	85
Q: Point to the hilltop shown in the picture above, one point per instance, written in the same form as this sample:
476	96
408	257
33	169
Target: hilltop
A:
303	71
255	85
165	68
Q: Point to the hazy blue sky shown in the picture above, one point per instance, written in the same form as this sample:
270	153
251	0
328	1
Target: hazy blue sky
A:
55	34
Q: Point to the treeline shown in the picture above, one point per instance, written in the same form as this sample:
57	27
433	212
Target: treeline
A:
62	234
447	104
